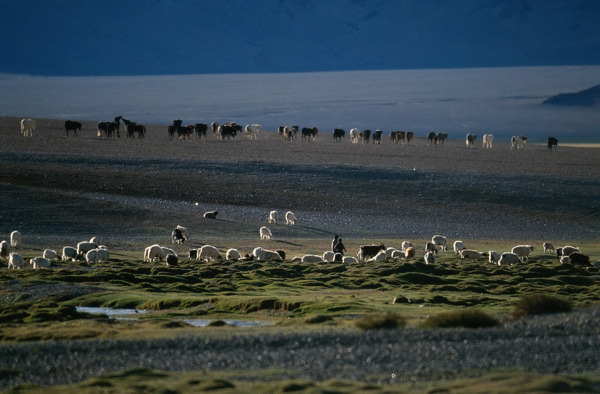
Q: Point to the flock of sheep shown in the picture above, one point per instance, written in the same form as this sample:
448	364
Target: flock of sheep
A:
90	250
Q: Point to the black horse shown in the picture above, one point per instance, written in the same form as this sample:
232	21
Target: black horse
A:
72	125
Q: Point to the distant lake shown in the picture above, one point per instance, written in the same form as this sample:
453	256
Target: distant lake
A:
503	101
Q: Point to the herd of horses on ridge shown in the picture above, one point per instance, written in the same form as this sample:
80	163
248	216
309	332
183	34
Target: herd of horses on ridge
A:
111	129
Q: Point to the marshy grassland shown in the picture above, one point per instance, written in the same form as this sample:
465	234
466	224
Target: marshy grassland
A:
58	191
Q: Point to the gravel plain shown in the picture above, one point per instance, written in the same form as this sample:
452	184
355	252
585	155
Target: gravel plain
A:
58	190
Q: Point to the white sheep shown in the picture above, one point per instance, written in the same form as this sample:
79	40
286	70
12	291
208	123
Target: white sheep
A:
167	251
4	251
184	232
209	253
312	258
441	241
85	246
329	256
509	258
16	261
429	258
91	256
69	252
493	257
349	260
265	233
523	251
94	240
406	245
264	254
381	256
102	254
297	259
470	254
458	246
567	250
398	254
548	247
233	254
15	239
273	216
153	252
50	254
290	218
389	251
39	262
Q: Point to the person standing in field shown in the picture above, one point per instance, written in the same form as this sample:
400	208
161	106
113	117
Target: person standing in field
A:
334	242
339	247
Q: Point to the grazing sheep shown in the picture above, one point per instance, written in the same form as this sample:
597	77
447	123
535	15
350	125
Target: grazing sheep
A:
431	247
577	258
567	250
273	216
96	255
91	256
69	252
4	249
523	251
509	258
172	260
406	245
493	257
349	260
85	246
281	253
398	254
409	253
470	254
15	261
265	233
328	256
39	262
233	254
312	258
15	239
94	240
338	257
102	254
50	254
264	254
211	214
184	232
167	251
389	251
209	253
548	247
153	252
366	251
441	241
429	258
297	259
290	218
458	246
381	256
192	254
565	260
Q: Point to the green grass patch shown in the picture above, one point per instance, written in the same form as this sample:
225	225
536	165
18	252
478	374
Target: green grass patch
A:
387	321
538	304
467	318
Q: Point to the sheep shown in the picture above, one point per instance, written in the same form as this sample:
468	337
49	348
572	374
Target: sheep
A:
192	254
290	218
297	259
328	256
389	251
406	245
16	261
349	260
509	258
429	258
265	233
567	250
398	254
153	252
366	251
431	247
4	249
338	257
211	214
470	254
39	262
458	246
548	247
50	254
409	253
209	253
441	241
565	260
273	215
312	258
493	257
91	256
577	258
172	260
381	256
522	251
15	239
264	254
233	254
85	246
69	252
94	240
167	251
184	232
102	254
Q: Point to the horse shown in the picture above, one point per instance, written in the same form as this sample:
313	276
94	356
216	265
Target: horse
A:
72	125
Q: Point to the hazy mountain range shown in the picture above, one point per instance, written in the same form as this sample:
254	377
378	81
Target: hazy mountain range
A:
586	98
143	37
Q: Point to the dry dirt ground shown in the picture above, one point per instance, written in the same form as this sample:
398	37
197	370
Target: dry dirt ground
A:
58	190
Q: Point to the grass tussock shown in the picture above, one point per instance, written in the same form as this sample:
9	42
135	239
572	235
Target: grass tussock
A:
387	321
468	318
538	304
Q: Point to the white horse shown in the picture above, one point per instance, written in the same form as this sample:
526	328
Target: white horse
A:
354	135
517	142
252	131
487	140
27	127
